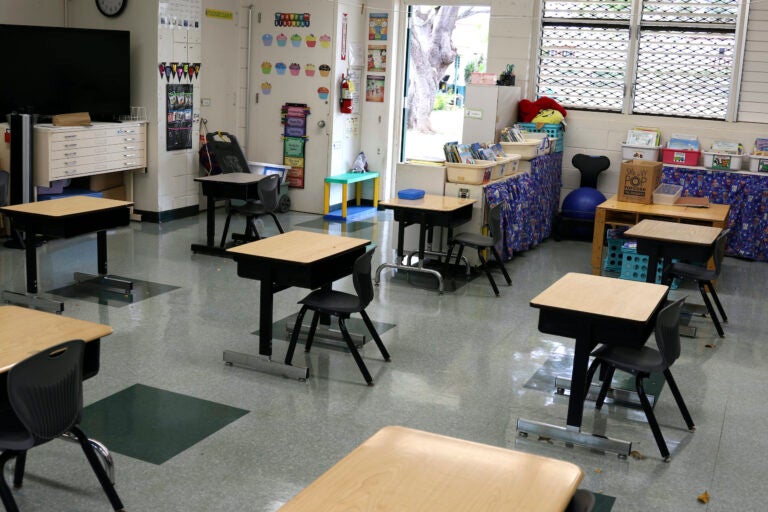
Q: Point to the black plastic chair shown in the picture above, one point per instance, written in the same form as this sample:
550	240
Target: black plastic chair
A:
46	396
582	501
643	361
267	204
482	242
704	277
341	305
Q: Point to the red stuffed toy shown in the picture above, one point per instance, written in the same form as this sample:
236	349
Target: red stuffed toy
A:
528	110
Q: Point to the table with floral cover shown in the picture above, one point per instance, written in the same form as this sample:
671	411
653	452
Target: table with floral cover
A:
746	193
530	201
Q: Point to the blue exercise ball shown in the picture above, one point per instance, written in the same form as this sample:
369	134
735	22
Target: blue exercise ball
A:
582	203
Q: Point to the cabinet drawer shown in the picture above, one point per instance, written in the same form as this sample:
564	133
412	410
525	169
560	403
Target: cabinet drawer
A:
136	154
77	152
128	163
80	134
127	138
125	130
77	143
77	162
78	170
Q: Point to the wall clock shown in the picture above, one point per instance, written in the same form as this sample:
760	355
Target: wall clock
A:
111	8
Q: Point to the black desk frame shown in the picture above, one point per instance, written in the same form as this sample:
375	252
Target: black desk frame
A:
67	226
427	220
275	276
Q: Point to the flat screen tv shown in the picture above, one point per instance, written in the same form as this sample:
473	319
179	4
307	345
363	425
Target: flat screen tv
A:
56	70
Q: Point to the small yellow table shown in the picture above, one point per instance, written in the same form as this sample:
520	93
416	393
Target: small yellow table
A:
345	180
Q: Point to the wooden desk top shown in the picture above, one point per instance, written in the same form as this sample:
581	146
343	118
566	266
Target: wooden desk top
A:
602	296
715	212
233	177
299	246
674	232
429	202
73	205
404	470
25	332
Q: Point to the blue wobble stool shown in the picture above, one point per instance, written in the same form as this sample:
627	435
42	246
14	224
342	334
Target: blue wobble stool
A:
577	215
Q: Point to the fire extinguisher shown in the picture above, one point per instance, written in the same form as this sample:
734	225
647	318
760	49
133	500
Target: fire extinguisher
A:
345	98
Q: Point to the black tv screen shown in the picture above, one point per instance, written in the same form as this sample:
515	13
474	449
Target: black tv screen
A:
55	70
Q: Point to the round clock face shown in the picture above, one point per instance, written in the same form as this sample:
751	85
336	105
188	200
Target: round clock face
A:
111	7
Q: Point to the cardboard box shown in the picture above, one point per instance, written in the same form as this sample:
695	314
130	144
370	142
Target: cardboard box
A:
638	180
114	193
104	181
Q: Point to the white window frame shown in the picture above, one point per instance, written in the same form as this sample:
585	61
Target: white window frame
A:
740	34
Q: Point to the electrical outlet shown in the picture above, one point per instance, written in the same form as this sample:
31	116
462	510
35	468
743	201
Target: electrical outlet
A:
205	102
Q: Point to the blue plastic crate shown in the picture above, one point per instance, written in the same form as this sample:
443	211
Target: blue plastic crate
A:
613	258
552	130
634	267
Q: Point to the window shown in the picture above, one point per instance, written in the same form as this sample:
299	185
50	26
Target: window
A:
665	57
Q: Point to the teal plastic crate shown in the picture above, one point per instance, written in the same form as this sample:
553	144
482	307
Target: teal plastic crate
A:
552	130
634	267
614	256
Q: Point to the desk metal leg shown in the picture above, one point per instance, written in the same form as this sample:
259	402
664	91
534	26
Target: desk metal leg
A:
31	299
101	452
263	361
572	433
400	254
103	279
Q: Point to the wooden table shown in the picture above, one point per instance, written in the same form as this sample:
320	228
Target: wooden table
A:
619	213
403	470
232	185
593	309
661	239
65	218
296	258
428	212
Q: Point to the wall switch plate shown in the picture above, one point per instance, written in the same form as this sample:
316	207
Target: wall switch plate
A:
205	102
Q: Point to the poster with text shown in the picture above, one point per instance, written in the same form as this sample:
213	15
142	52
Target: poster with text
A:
377	26
374	88
178	134
377	57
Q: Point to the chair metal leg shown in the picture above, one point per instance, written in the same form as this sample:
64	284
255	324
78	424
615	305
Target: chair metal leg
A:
590	375
226	230
447	266
488	272
5	492
277	222
354	352
711	310
375	335
458	258
101	474
18	470
651	417
497	256
713	292
312	331
679	399
607	378
295	335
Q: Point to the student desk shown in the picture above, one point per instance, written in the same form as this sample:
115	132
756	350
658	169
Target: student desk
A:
428	212
345	180
296	258
67	217
619	213
593	309
660	239
399	469
233	185
25	332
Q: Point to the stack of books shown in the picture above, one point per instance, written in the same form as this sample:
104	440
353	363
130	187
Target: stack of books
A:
683	142
640	136
761	147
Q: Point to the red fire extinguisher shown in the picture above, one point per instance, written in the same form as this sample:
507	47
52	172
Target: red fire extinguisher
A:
345	98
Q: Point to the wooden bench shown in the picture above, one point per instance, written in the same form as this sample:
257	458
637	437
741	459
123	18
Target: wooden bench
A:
345	180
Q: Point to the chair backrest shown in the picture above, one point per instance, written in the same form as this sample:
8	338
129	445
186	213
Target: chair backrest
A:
361	278
590	167
494	223
719	252
46	390
227	151
668	331
269	192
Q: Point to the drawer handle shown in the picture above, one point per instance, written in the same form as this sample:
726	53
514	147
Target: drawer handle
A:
74	136
72	162
125	131
129	140
129	148
70	145
128	156
71	153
